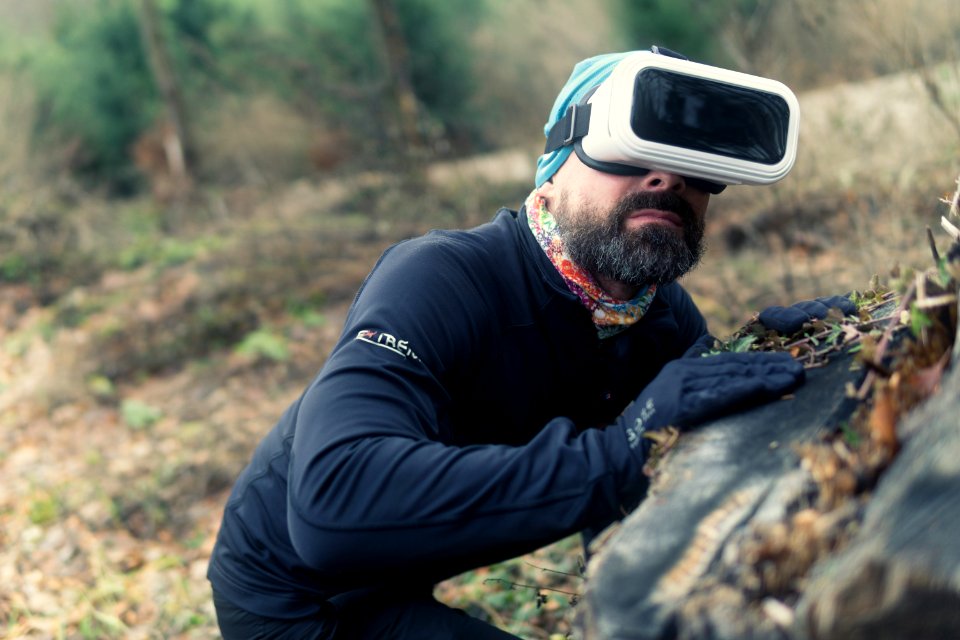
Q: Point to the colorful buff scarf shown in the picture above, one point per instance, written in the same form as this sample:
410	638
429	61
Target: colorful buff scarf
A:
610	315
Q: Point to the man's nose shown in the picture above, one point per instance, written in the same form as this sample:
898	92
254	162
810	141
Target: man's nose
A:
663	181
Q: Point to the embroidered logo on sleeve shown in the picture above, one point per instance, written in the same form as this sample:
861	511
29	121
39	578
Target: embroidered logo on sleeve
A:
635	432
387	341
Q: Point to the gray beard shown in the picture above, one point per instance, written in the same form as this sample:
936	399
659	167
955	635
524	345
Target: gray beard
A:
649	255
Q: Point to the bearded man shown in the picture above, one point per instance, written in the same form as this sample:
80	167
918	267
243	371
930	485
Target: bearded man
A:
493	388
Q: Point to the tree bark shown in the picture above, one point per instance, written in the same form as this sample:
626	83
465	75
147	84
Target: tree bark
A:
785	523
404	98
177	142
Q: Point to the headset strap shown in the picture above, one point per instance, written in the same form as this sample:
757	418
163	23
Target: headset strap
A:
670	53
576	121
572	126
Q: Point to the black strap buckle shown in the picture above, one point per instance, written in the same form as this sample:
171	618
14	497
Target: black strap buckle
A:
572	112
572	126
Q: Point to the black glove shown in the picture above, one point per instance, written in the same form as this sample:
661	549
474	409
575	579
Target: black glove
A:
693	389
704	344
788	320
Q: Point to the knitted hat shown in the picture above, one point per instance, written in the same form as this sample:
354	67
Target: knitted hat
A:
586	75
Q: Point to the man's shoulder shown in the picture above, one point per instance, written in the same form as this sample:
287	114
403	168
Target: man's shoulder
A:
501	227
484	246
443	283
674	294
684	309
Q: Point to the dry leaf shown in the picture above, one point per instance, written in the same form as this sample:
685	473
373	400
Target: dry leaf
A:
926	381
883	420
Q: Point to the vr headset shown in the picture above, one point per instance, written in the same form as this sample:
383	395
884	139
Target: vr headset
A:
659	110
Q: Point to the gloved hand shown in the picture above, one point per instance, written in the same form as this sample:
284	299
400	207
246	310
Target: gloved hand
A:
788	320
704	344
692	389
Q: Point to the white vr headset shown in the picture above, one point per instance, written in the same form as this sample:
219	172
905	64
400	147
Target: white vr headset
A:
658	110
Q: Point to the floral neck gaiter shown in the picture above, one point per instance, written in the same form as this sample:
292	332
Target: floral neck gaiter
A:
610	315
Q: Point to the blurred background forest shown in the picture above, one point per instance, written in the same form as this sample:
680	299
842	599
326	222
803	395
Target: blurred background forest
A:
191	191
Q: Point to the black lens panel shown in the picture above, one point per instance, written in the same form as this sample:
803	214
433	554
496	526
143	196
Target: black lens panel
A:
710	116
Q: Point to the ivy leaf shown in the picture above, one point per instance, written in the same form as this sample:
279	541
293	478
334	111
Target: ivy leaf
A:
741	345
919	320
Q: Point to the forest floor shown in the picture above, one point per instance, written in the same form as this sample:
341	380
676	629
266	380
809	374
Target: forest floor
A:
145	350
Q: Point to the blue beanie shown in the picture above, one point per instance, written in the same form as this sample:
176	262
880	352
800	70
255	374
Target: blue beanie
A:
586	75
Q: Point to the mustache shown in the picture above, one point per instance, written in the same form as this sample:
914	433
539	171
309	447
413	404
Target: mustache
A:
662	200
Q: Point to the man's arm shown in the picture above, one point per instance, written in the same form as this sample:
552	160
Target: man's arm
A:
374	491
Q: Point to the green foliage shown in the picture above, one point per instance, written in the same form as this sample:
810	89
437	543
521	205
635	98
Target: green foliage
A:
437	33
919	320
944	277
101	387
532	595
307	316
40	242
95	88
97	625
97	95
44	509
874	294
738	344
139	415
691	27
263	343
14	268
96	92
164	252
850	435
325	57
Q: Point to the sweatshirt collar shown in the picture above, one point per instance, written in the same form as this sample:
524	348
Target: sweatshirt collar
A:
610	315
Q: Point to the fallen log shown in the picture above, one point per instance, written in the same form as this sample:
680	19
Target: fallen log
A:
788	522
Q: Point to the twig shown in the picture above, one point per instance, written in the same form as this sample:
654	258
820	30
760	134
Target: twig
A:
873	321
949	227
933	247
536	587
921	280
813	339
937	301
954	203
885	339
562	573
811	342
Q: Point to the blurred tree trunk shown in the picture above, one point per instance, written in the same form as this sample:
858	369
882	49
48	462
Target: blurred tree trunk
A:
397	53
177	141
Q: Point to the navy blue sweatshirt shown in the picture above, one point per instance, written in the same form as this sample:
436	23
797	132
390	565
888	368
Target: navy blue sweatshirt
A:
457	423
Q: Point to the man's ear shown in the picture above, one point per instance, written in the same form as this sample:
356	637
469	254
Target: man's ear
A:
547	189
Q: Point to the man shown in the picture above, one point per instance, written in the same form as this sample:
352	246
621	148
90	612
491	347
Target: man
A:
491	393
